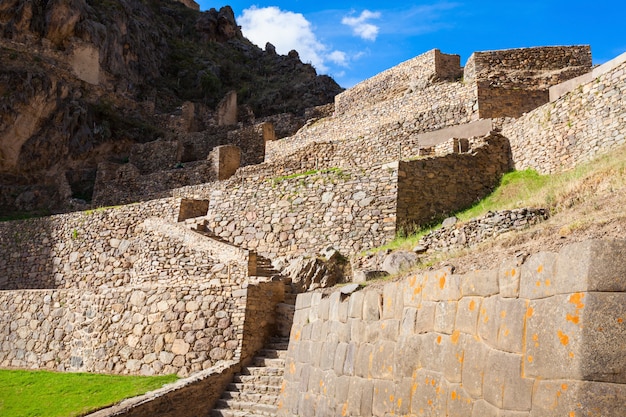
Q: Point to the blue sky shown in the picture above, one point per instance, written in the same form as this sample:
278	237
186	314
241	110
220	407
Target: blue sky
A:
352	41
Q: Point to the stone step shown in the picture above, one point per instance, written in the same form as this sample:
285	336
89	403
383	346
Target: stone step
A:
265	362
254	388
251	397
274	380
263	409
225	412
262	371
273	353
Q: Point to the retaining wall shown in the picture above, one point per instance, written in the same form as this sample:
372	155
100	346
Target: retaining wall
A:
349	209
528	68
431	188
386	125
149	329
415	73
587	121
114	248
540	339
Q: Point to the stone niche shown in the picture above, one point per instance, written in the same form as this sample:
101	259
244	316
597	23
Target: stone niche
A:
227	110
190	209
225	161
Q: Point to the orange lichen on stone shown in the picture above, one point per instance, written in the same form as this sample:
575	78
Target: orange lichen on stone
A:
548	283
454	395
399	402
439	340
292	368
472	305
503	314
540	269
576	299
571	355
455	336
529	312
442	282
573	318
297	336
530	359
620	320
563	338
564	387
344	409
538	283
572	414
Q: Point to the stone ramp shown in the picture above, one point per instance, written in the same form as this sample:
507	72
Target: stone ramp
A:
255	391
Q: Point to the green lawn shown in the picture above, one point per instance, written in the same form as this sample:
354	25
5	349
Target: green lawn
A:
51	394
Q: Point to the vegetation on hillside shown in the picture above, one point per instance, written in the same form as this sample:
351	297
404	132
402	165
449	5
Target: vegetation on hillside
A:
606	175
51	394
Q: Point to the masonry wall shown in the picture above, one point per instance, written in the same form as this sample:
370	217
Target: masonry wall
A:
385	126
414	73
529	68
349	209
115	248
539	339
430	188
587	121
137	329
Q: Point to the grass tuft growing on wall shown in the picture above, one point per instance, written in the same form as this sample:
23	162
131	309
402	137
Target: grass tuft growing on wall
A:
51	394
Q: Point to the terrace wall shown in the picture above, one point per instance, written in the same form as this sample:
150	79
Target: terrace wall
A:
538	339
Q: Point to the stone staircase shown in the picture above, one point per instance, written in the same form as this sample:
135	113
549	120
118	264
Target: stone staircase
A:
255	391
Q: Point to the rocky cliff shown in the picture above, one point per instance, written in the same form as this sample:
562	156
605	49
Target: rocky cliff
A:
83	80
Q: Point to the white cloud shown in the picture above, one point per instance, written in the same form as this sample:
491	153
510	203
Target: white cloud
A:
339	58
360	25
287	31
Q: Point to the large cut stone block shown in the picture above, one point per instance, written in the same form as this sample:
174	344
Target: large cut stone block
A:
593	265
384	397
372	306
539	276
360	398
504	387
577	336
460	403
383	360
509	279
445	315
480	283
392	301
512	312
467	314
431	394
489	320
442	285
407	355
578	398
476	354
425	320
412	291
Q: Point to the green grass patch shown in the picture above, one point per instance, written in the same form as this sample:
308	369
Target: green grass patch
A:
51	394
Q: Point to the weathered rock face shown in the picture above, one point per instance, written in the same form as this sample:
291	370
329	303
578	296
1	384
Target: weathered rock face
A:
81	81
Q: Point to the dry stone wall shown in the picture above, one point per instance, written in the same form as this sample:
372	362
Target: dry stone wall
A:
528	68
588	121
430	188
86	249
387	125
138	329
115	248
413	74
302	213
539	339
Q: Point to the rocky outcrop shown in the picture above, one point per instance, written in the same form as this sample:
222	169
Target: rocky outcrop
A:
83	81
